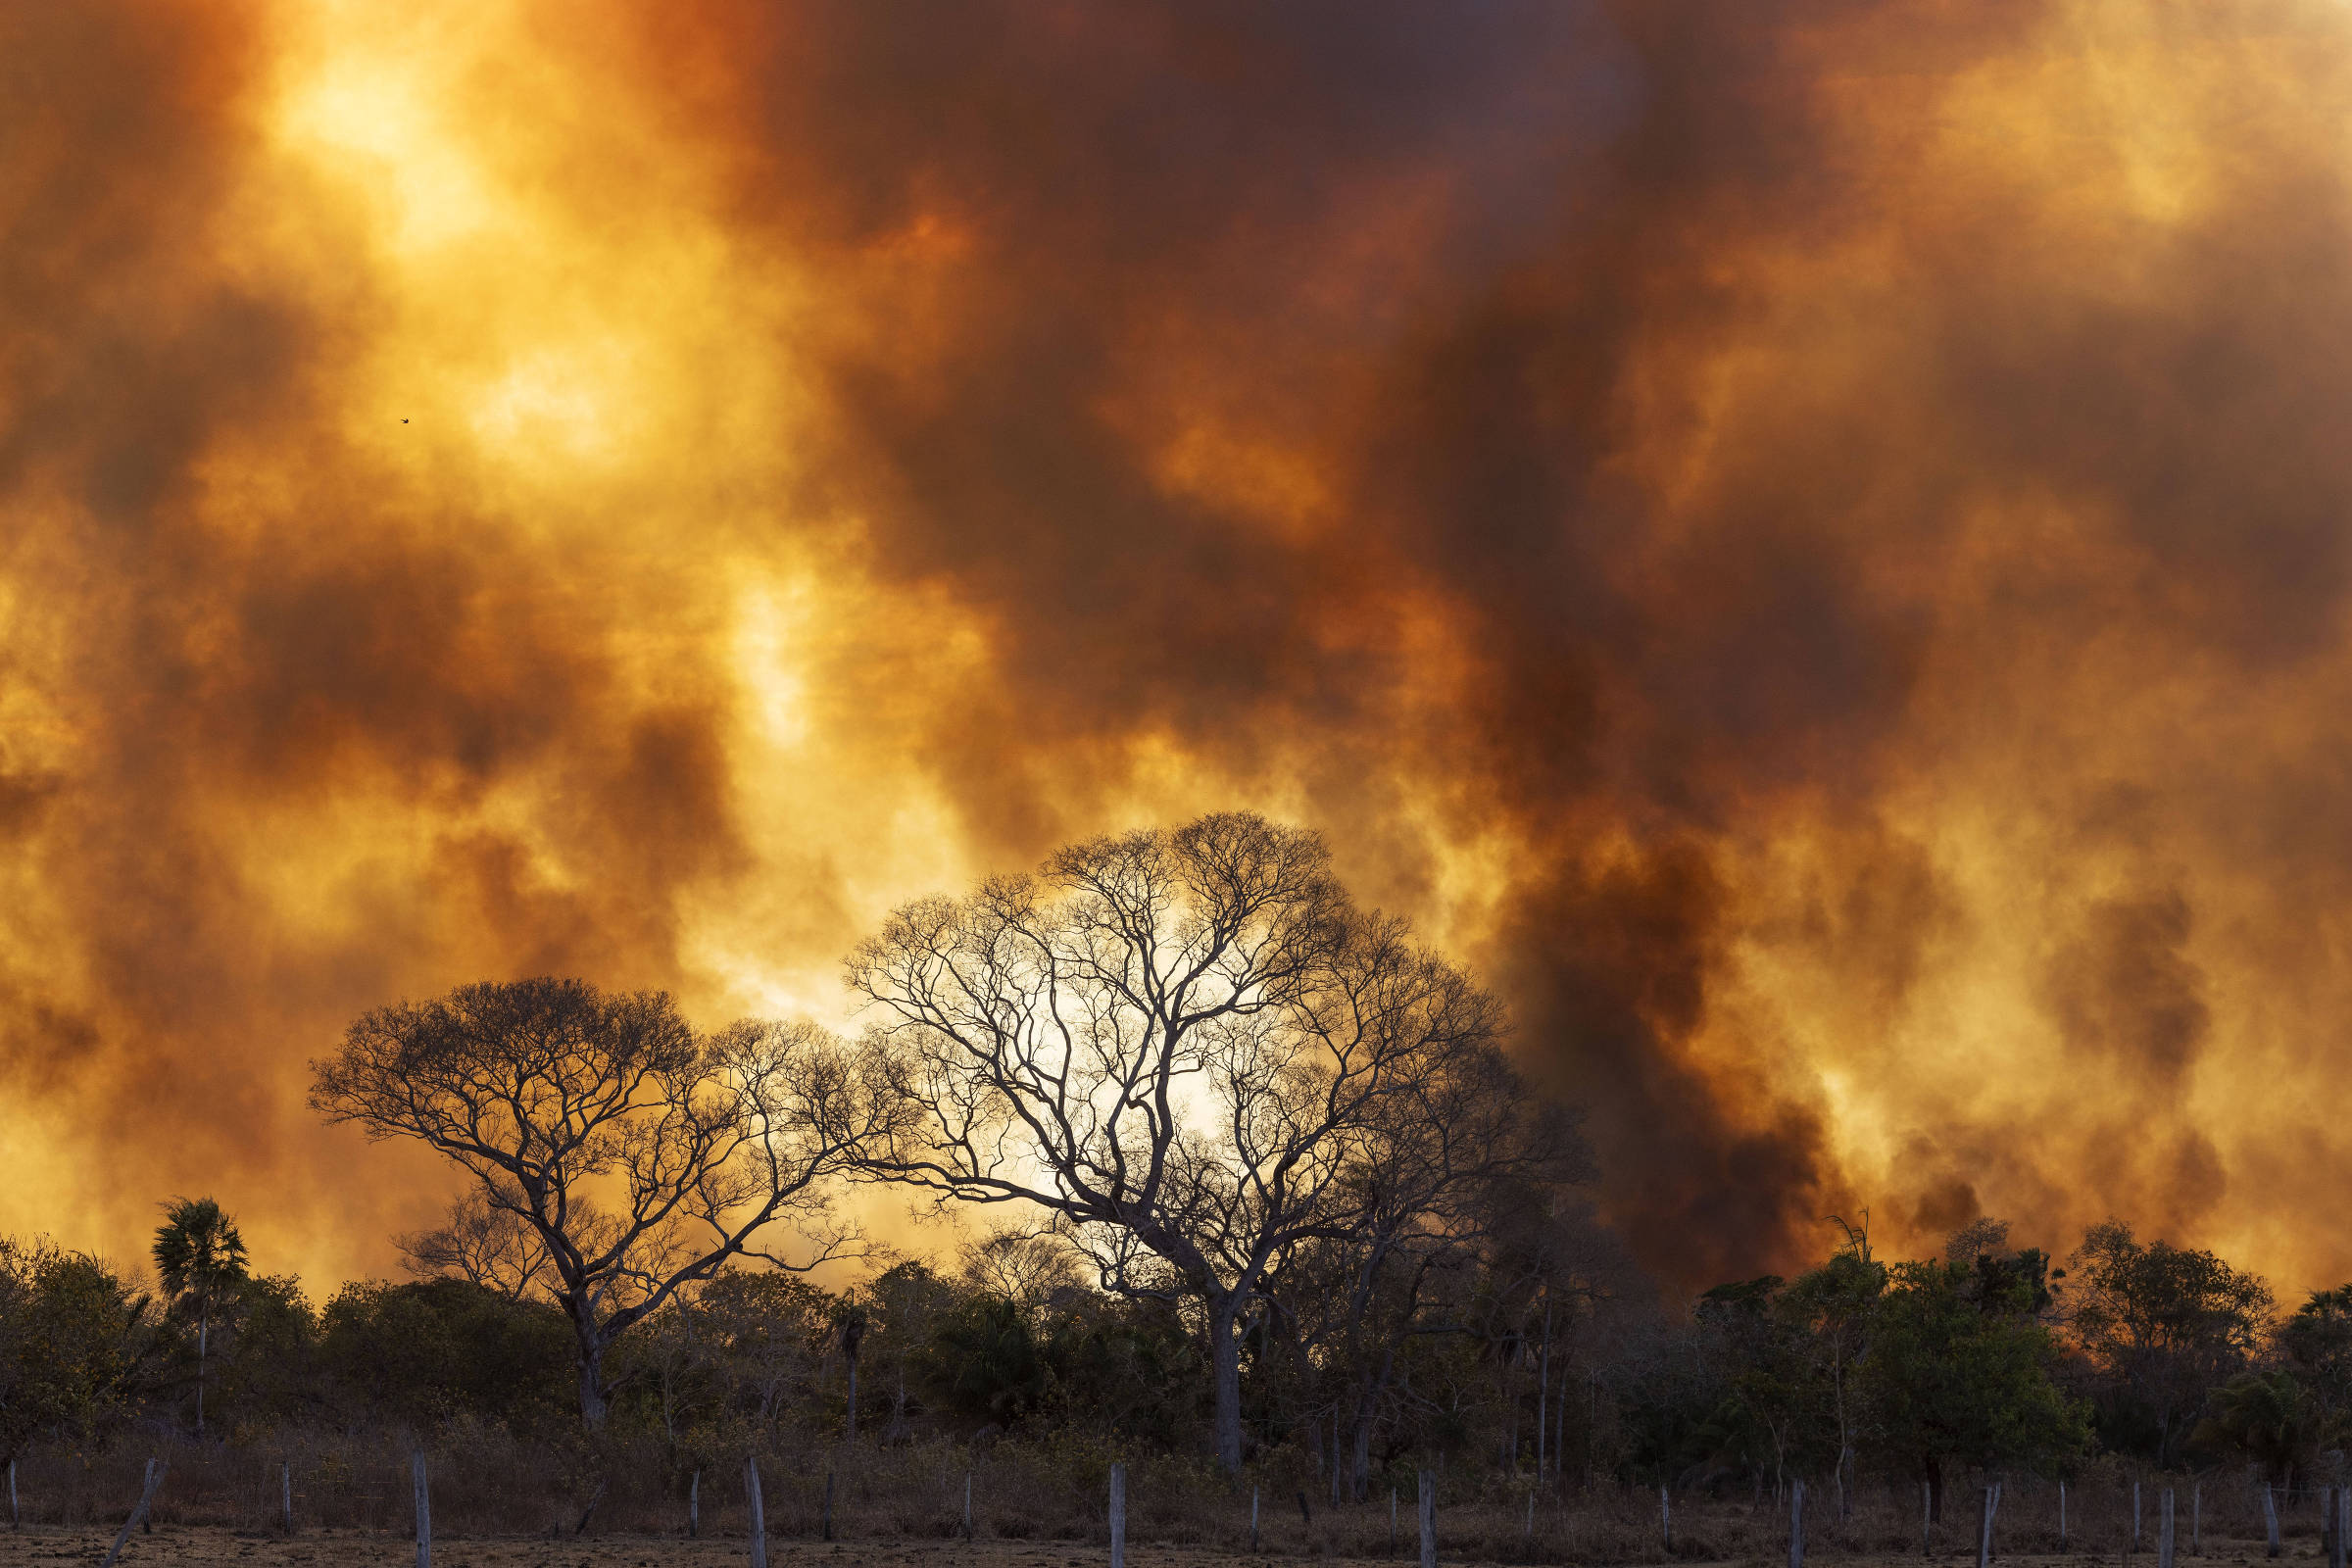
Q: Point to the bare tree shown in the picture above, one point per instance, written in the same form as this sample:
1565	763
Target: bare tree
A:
640	1153
484	1242
1177	1043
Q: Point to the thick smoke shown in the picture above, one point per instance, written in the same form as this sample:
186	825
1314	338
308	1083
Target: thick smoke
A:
1805	538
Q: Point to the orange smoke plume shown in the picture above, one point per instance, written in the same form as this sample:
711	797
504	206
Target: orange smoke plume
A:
1805	537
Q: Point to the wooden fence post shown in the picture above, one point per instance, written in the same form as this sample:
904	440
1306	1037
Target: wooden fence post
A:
2269	1517
750	1490
2164	1529
1796	1524
425	1508
1927	1518
694	1506
138	1512
286	1493
2327	1524
2196	1518
2061	1517
2343	1522
1984	1532
1429	1519
2136	1513
1118	1516
1253	1521
967	1504
16	1521
1665	1520
596	1501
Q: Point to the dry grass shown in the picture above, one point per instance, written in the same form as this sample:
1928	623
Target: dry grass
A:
496	1502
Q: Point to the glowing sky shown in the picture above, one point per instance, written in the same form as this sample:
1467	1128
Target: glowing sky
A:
1805	539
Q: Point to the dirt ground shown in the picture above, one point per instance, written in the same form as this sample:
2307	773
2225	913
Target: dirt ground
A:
335	1549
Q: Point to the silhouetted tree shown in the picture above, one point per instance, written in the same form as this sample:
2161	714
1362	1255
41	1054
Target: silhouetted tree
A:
2165	1325
640	1153
76	1345
426	1350
1956	1375
2316	1345
1175	1041
486	1243
2266	1416
201	1260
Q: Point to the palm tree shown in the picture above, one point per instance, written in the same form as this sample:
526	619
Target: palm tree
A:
2266	1414
201	1258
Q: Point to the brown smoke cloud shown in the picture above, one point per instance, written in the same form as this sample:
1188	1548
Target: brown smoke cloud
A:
1806	538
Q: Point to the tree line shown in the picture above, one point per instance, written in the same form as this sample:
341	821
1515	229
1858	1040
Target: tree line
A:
1243	1170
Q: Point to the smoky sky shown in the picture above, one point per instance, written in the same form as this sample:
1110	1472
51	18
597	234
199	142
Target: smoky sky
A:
1804	540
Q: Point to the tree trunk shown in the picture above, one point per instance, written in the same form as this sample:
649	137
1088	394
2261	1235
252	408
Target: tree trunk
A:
203	1325
592	1386
1225	1363
1359	1459
1543	1398
1510	1398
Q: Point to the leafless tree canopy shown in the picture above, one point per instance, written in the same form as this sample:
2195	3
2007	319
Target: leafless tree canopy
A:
1190	1047
484	1242
639	1153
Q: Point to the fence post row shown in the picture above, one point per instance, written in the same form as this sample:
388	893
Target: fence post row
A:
2335	1516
